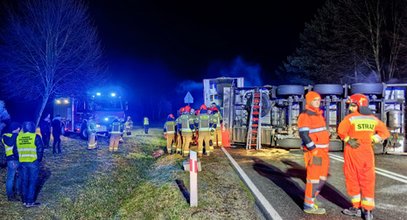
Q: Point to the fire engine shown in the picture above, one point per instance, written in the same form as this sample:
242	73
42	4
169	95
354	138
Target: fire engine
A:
104	105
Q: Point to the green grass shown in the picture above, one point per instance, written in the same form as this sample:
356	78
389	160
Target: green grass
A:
131	184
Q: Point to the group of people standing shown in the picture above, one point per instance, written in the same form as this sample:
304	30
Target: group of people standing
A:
201	127
24	151
359	130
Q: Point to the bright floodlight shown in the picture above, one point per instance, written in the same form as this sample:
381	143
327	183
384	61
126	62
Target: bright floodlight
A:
98	94
66	101
58	101
106	119
113	94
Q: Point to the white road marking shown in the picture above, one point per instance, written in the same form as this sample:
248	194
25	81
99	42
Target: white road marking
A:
267	206
380	171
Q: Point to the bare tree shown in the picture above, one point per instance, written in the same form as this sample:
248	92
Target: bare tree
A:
354	40
49	48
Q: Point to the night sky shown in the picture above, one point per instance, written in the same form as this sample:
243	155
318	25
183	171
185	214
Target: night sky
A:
162	49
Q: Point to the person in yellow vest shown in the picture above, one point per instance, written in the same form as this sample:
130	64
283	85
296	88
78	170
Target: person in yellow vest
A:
169	132
146	124
13	181
204	128
218	132
178	139
30	151
115	134
91	130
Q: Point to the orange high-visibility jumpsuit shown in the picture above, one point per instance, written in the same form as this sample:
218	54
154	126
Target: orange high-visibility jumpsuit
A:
359	165
315	137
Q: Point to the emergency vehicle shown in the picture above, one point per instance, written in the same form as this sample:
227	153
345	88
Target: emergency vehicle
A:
104	105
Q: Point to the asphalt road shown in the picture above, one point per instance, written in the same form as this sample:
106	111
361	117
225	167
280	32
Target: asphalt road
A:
280	177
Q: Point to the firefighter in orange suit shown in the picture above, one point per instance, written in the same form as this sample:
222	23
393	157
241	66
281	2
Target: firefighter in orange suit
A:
360	130
315	137
169	132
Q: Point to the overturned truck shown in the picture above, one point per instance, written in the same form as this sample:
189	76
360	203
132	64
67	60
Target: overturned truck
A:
267	116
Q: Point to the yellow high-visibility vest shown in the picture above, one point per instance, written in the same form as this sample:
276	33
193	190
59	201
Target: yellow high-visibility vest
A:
27	151
8	149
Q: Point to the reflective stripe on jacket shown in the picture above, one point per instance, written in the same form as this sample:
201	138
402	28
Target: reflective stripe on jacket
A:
27	150
8	149
312	129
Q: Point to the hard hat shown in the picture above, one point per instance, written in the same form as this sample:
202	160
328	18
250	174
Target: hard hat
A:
310	96
359	99
181	110
187	108
203	106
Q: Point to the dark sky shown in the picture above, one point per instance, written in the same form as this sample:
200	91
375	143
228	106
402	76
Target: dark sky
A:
182	39
162	49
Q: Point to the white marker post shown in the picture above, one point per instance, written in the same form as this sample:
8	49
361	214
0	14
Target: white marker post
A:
193	179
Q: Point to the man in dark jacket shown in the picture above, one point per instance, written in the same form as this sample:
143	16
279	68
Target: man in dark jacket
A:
30	152
56	133
13	179
45	127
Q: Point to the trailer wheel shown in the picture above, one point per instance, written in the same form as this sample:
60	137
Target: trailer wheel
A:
329	89
289	143
84	132
335	145
367	88
290	90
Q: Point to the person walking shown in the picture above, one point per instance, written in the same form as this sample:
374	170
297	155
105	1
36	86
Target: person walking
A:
56	133
91	131
360	130
178	126
169	132
128	126
45	127
30	152
146	124
315	137
115	135
13	181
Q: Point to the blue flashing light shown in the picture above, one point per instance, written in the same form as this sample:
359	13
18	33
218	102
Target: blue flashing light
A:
113	94
98	94
106	119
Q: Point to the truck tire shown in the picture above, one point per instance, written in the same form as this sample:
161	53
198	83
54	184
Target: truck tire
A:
84	132
367	88
290	90
328	89
335	145
289	143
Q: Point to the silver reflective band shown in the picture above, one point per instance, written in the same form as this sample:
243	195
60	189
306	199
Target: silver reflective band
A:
312	181
27	149
303	129
315	130
28	155
310	144
361	117
378	137
9	148
322	145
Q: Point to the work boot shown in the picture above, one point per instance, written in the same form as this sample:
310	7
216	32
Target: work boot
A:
353	212
367	215
315	210
34	204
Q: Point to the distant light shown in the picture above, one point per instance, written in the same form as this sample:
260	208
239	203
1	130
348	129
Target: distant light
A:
66	101
113	94
106	119
98	94
58	101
